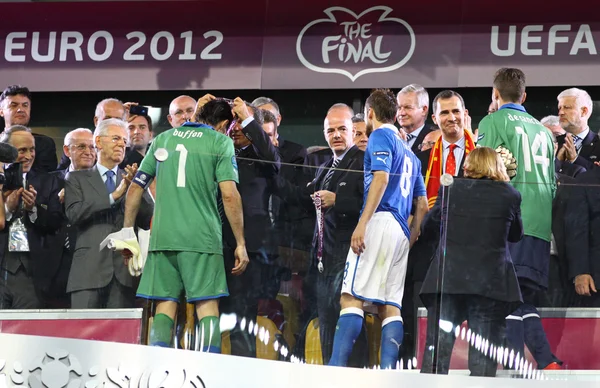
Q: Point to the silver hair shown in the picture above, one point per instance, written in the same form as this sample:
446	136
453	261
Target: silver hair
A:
581	96
102	128
358	118
73	132
260	101
421	92
5	137
550	121
100	110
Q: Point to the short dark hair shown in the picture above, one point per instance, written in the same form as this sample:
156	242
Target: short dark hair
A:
445	95
384	104
510	83
15	90
269	117
257	114
213	112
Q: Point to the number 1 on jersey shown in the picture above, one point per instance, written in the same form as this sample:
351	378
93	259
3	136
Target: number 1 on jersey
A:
540	144
181	168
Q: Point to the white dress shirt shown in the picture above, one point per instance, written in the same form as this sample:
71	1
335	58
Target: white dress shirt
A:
459	152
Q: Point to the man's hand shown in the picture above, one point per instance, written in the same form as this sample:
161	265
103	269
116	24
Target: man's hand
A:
327	198
201	102
562	154
241	260
240	109
61	196
358	239
127	107
583	284
570	150
130	172
29	197
11	199
468	122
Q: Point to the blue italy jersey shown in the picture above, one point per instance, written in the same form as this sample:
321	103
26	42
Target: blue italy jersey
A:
386	151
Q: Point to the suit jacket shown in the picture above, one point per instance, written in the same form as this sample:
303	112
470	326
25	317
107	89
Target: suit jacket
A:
426	129
38	263
477	260
88	208
567	168
563	196
340	220
131	157
424	158
56	242
424	248
292	226
45	154
582	226
590	150
258	164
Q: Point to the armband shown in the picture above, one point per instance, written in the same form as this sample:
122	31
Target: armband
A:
143	179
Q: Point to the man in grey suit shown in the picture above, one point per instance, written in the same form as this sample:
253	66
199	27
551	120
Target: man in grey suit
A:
94	203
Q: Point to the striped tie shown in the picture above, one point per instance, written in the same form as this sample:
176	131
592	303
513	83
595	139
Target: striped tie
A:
329	175
409	137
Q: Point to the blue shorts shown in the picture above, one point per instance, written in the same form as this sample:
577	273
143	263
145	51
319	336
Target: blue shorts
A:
531	257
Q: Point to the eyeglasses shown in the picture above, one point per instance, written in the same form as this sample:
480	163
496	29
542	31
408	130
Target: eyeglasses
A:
116	139
83	147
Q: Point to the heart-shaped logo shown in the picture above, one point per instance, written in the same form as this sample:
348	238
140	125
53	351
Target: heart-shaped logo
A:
354	45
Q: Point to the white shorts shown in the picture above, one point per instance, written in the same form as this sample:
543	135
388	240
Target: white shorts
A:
377	275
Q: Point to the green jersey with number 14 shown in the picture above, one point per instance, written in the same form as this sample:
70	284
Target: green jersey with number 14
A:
532	146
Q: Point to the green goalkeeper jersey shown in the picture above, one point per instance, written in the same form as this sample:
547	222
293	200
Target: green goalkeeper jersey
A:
532	146
186	217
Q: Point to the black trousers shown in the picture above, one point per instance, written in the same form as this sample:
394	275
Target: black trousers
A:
484	316
17	290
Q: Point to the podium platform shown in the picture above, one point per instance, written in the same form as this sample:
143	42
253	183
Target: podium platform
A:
114	325
573	333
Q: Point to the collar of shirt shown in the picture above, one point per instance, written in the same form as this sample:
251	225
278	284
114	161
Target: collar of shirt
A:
417	131
342	155
459	144
102	170
195	125
583	134
390	126
512	105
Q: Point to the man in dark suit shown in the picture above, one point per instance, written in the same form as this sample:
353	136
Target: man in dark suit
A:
579	145
32	213
15	104
479	280
449	115
140	136
413	107
340	185
79	147
94	205
258	163
582	222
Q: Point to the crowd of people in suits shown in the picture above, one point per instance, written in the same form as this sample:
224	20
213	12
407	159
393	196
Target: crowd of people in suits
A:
64	210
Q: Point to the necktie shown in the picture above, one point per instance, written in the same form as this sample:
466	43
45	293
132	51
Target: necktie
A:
237	151
577	142
409	137
329	175
110	183
451	161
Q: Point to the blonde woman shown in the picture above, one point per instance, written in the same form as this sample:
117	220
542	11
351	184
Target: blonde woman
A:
479	281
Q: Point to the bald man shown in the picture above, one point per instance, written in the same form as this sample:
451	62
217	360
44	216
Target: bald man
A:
181	110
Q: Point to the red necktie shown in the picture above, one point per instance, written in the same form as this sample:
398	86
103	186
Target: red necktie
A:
451	161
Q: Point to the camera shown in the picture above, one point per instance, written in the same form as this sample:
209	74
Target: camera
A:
13	174
138	110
